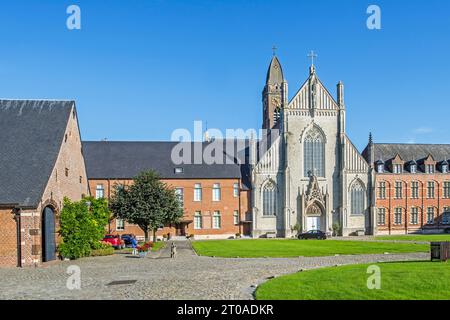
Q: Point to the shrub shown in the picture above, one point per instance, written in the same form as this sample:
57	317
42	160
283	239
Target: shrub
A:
102	252
82	227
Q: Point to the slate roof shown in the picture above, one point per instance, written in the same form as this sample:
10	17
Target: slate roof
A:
408	152
31	134
125	160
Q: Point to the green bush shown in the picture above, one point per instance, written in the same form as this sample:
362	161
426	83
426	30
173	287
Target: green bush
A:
83	227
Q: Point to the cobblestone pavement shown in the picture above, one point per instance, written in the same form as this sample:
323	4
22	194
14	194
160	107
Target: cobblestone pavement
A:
188	276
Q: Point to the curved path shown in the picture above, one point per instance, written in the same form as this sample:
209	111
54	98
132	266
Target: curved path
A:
188	276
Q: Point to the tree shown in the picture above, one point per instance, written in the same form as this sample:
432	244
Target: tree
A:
148	203
82	226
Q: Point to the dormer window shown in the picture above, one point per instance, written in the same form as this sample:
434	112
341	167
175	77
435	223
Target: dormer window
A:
179	170
445	168
380	168
413	168
397	168
429	168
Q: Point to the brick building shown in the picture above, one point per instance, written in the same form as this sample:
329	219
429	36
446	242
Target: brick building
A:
215	197
41	163
411	187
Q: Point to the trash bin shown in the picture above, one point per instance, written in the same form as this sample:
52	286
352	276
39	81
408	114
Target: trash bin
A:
440	251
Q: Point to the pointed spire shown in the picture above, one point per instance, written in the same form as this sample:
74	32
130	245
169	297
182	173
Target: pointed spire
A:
275	72
370	138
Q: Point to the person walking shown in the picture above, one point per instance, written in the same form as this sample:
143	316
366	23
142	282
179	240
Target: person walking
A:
134	245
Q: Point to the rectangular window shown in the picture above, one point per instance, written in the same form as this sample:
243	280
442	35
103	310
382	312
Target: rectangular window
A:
120	224
430	215
430	168
236	190
382	190
415	190
180	195
217	223
216	192
198	223
446	190
398	190
413	168
381	216
446	216
99	191
398	216
198	192
430	189
236	217
414	215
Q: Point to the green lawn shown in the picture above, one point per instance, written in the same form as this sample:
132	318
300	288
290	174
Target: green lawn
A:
399	281
417	237
255	248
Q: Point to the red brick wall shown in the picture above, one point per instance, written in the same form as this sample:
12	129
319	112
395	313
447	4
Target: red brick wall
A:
8	238
407	202
226	206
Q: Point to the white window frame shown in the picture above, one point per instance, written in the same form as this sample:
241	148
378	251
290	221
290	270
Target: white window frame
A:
198	192
122	223
216	192
236	190
198	221
217	220
236	217
99	189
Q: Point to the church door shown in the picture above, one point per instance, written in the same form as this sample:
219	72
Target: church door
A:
313	223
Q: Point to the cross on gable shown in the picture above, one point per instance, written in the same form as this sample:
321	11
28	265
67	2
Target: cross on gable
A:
312	55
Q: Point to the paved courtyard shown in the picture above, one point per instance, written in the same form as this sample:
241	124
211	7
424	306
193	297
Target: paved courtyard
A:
188	276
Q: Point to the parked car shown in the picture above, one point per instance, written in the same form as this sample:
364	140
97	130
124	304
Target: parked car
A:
127	238
115	241
313	234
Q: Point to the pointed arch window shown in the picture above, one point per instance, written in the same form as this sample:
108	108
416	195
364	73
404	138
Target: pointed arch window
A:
276	115
314	154
357	199
269	199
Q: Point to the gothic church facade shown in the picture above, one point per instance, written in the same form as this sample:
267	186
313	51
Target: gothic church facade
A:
311	177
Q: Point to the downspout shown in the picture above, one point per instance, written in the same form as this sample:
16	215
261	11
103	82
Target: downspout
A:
17	211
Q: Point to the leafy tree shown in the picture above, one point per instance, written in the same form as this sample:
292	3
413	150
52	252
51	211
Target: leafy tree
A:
82	226
148	203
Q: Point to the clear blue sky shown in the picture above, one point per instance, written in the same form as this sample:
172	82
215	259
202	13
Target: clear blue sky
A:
140	69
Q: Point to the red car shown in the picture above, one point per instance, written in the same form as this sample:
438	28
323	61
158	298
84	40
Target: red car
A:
115	240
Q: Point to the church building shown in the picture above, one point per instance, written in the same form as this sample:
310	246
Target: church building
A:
312	177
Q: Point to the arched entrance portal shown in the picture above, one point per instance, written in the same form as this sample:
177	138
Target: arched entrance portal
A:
48	235
314	217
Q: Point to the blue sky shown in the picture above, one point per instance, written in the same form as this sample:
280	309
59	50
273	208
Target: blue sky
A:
140	69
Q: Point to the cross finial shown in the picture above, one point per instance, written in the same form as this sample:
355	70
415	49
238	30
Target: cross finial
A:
312	55
274	50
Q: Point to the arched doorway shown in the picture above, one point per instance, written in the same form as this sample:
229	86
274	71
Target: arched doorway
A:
48	235
314	217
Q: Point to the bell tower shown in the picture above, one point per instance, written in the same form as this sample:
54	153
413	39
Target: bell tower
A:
274	96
